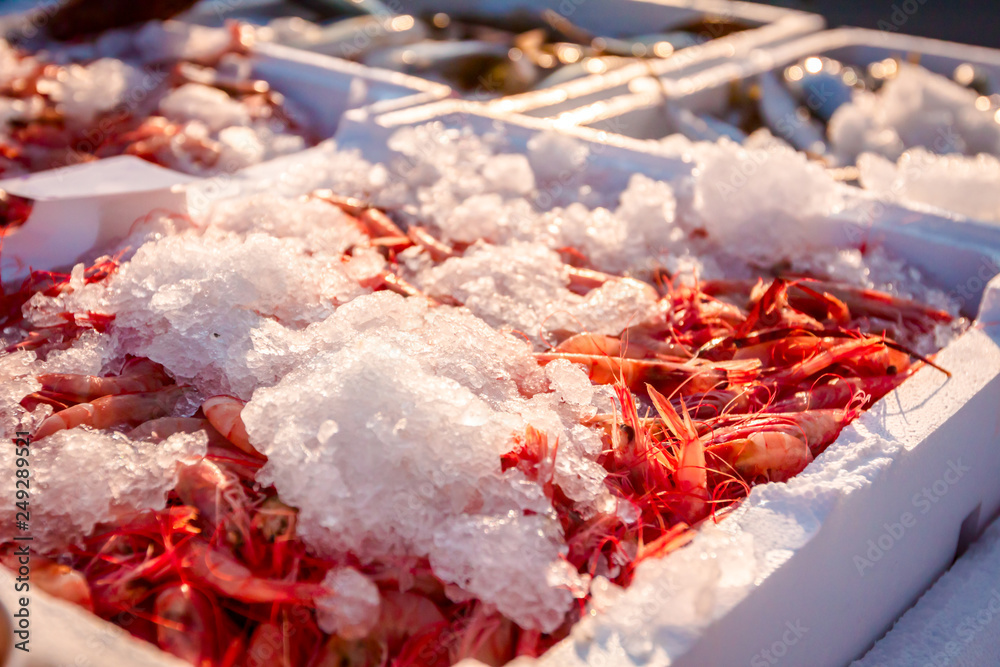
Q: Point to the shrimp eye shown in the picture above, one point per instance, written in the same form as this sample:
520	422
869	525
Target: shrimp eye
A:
891	370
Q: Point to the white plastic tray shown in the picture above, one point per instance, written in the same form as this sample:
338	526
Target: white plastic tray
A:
787	559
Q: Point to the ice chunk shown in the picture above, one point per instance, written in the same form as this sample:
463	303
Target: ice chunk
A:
916	108
321	227
556	156
525	287
206	306
82	477
88	354
509	174
965	185
240	147
769	199
211	106
174	40
487	217
352	608
192	303
84	91
574	387
647	212
17	370
403	383
766	204
477	553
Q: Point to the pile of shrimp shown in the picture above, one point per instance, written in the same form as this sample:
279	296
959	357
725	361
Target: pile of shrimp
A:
727	385
38	133
734	384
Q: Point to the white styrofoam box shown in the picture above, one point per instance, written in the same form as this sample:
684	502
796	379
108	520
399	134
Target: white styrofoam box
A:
766	25
324	88
640	115
61	633
81	209
954	623
813	571
787	555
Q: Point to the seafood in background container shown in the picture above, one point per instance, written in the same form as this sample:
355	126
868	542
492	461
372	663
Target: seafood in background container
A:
964	184
486	55
177	95
411	418
836	111
899	129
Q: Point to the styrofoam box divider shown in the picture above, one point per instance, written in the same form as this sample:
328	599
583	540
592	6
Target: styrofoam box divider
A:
327	87
639	115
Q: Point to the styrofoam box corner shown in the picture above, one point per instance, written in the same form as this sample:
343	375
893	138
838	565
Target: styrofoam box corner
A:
80	210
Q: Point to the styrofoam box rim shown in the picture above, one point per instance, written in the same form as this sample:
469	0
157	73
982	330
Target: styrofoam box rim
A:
308	79
298	57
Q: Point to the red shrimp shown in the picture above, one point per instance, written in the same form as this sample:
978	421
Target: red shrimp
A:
114	410
138	375
186	625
